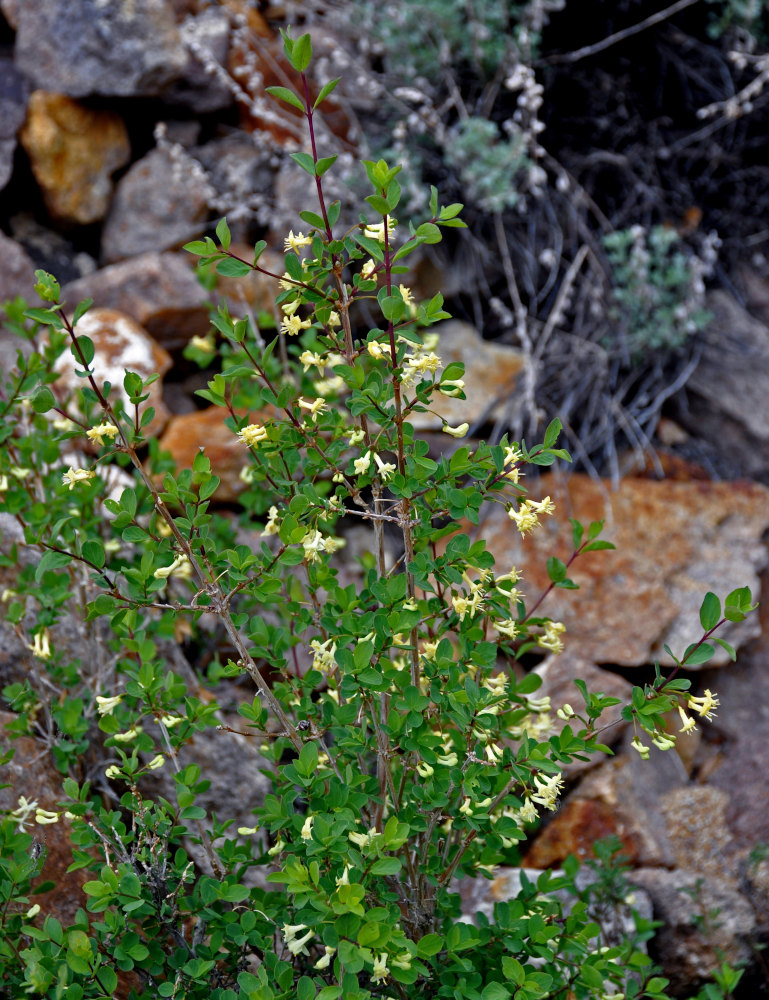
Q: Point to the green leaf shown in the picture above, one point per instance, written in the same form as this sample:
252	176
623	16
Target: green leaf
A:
429	945
302	53
428	233
231	268
378	203
223	234
305	161
197	247
307	761
386	866
552	433
598	545
324	164
729	649
697	654
43	400
710	612
84	351
325	91
284	94
305	989
80	311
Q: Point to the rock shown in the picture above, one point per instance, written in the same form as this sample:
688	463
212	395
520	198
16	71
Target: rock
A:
49	250
241	170
10	11
682	900
729	389
73	152
116	48
158	290
741	766
491	372
17	276
161	203
14	92
675	541
205	430
121	345
696	817
31	773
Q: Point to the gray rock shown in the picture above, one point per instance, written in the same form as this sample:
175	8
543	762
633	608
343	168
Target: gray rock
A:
729	391
159	290
241	170
109	47
14	92
17	276
161	203
706	921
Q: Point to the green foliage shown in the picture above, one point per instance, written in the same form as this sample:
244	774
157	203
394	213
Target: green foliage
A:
658	289
403	743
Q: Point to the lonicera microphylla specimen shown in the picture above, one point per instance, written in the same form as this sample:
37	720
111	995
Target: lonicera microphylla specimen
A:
403	749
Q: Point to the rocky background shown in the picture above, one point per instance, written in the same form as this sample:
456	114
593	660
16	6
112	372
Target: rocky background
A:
129	128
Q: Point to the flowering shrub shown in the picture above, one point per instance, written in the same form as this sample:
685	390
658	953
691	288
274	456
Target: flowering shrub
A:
402	747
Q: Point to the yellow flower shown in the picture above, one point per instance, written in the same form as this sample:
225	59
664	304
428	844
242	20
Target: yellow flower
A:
292	242
309	358
325	961
467	807
169	721
457	432
356	436
128	735
98	433
377	230
525	517
292	325
32	911
381	972
252	434
106	706
323	655
386	469
425	770
180	567
509	627
113	771
552	638
376	350
528	812
704	706
689	724
662	741
41	646
636	744
205	344
362	464
548	790
44	816
344	878
306	833
368	269
73	476
272	527
565	713
315	407
157	761
277	847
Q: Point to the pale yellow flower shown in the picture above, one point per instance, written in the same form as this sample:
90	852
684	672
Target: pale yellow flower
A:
376	350
452	387
277	847
312	359
456	432
704	705
386	469
180	567
380	972
362	464
32	911
643	750
325	960
295	243
548	789
689	724
73	476
376	231
113	771
508	627
272	527
98	433
306	833
293	325
45	817
205	344
106	706
662	741
41	645
314	407
252	435
157	762
425	770
323	655
128	735
368	269
552	637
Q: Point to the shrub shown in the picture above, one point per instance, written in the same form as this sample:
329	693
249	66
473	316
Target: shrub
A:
402	747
